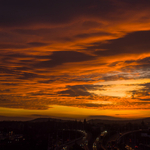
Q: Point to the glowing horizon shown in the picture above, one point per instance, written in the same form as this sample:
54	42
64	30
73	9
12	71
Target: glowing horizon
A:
53	112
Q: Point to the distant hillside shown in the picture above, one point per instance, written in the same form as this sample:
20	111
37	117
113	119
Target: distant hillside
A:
95	120
48	119
90	119
104	118
117	120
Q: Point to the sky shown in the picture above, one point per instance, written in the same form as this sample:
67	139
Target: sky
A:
74	59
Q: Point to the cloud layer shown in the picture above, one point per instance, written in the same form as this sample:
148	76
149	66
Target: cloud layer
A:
69	53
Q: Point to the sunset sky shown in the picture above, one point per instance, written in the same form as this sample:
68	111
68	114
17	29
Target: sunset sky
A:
74	59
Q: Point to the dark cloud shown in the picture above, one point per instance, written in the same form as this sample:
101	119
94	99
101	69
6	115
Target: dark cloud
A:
28	75
40	93
86	35
56	58
60	57
79	90
48	11
71	92
7	58
25	12
6	70
13	46
89	24
22	68
144	61
37	44
46	81
75	92
114	63
24	73
26	65
4	91
10	84
136	42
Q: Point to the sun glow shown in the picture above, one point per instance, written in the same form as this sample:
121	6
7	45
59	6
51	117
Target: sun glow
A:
120	88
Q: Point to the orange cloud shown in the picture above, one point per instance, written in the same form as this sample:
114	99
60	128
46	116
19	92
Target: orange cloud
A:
68	55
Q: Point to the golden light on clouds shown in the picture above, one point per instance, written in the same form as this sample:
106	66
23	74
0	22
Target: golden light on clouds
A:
89	58
120	88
